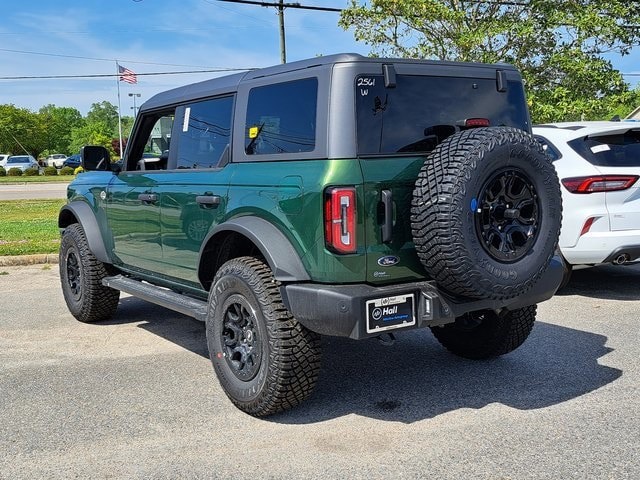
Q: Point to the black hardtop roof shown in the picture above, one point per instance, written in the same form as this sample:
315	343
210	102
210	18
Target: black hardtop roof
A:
229	83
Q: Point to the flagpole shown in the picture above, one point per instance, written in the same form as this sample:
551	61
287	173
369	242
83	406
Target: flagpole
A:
119	116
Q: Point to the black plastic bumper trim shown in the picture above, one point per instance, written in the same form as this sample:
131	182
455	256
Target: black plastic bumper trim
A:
339	310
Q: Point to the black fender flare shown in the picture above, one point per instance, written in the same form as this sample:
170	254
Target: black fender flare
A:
274	246
83	213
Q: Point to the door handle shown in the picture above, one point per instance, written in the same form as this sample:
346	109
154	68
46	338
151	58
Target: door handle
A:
387	225
148	197
208	201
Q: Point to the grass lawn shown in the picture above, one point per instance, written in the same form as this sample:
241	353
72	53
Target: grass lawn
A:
36	179
29	226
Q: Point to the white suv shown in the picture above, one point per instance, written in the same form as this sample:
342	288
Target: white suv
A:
598	164
3	159
55	160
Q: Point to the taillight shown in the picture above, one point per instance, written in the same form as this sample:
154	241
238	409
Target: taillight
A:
340	219
599	183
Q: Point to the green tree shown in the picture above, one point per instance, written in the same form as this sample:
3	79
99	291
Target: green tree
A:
559	46
92	133
105	113
21	131
58	123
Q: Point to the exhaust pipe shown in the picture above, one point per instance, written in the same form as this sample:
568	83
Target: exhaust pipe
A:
621	259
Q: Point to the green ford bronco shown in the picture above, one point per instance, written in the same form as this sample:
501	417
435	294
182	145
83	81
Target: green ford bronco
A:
341	195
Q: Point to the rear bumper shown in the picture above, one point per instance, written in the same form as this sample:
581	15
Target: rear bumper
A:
340	310
603	247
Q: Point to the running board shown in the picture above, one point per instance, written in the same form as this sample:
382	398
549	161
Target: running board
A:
160	296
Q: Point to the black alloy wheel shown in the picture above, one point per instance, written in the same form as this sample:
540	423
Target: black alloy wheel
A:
74	275
241	340
507	215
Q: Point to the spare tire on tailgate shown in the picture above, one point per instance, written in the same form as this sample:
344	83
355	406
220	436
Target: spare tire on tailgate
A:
486	213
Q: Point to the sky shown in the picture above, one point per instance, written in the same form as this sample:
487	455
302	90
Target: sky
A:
87	37
147	36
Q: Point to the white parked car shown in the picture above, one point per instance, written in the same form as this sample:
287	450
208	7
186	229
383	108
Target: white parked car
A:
55	160
3	159
598	164
22	162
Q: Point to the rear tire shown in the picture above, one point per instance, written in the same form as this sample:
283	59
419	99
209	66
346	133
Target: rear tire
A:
81	277
265	360
486	334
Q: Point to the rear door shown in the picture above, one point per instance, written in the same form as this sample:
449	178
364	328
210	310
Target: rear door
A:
397	126
194	197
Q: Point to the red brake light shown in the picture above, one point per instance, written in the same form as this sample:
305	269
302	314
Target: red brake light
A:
601	183
476	122
340	219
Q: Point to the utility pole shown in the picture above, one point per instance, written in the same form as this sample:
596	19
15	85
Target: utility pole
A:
283	46
280	6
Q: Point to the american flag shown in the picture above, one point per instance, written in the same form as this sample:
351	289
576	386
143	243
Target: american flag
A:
127	75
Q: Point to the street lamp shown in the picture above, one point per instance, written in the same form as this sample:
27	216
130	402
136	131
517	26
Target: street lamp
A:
134	108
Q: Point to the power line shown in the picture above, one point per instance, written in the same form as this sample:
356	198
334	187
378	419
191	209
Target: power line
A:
106	75
98	59
284	5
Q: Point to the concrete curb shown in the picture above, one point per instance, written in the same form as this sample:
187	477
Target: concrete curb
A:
18	260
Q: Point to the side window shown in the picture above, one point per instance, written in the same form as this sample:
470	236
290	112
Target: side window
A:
205	133
153	138
281	118
548	148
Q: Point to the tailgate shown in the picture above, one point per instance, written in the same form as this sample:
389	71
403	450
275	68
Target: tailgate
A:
623	205
388	189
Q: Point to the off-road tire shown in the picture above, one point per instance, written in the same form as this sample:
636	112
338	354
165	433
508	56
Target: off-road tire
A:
265	360
473	238
486	334
81	276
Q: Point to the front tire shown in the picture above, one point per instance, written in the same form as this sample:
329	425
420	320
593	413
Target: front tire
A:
487	334
265	360
81	277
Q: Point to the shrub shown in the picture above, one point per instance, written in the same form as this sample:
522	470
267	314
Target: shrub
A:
31	172
78	170
66	171
3	172
14	172
50	171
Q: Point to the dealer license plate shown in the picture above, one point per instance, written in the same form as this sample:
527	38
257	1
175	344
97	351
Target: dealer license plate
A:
390	312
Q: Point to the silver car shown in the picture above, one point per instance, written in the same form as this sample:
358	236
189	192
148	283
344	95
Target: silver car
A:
22	162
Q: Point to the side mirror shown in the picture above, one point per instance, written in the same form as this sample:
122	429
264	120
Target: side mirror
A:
94	157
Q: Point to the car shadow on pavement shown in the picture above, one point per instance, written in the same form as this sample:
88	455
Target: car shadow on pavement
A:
608	282
415	378
174	327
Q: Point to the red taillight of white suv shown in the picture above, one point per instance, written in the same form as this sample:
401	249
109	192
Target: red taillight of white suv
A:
599	183
340	219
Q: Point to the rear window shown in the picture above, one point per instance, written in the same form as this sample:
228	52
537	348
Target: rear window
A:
421	111
615	150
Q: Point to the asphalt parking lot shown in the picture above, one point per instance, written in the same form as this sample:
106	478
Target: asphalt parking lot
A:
136	397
